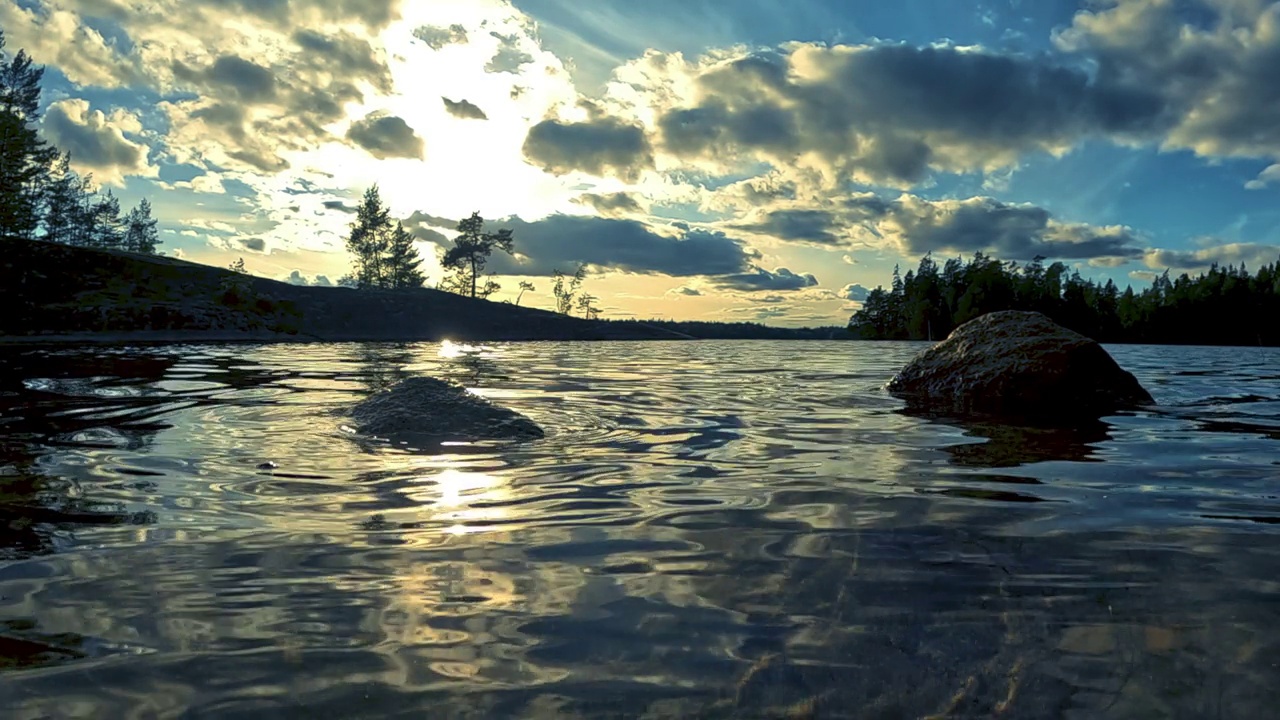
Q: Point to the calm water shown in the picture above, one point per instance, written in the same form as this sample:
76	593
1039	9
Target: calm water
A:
729	529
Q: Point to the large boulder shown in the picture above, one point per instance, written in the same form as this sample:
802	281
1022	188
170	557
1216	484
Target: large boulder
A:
1017	364
424	409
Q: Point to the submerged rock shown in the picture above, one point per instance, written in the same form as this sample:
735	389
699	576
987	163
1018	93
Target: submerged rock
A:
1017	364
424	409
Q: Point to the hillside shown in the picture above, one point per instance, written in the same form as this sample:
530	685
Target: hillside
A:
51	291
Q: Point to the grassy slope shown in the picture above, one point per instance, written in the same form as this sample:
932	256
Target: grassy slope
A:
48	289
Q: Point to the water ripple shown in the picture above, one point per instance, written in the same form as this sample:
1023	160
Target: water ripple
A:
707	530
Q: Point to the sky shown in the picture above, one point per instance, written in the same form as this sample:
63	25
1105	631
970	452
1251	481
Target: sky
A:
708	160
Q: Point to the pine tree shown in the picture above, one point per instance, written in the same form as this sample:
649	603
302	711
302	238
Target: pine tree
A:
140	234
402	261
62	202
107	231
370	240
470	251
82	212
25	160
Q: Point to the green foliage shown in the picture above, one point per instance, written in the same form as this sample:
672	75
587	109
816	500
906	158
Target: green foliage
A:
237	289
25	159
469	254
106	228
564	294
370	239
1220	307
586	306
525	286
384	255
403	261
140	234
40	195
63	203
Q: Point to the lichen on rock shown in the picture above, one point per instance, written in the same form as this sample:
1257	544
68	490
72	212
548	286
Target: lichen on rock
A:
1017	364
424	409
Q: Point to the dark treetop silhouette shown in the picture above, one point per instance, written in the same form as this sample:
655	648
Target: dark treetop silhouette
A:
40	195
1220	307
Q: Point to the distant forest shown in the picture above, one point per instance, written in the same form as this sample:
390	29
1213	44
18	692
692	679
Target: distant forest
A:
1221	307
705	330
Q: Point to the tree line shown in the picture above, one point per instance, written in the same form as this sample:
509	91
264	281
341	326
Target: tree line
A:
41	197
384	257
1224	306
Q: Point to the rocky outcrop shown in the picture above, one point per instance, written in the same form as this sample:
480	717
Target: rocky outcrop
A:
1017	364
427	410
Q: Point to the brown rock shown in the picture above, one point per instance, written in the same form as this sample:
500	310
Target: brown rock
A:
1015	363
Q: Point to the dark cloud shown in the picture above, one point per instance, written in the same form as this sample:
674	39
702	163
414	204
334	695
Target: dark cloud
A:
422	226
819	227
612	204
419	218
509	57
761	190
375	14
755	313
386	136
254	244
1018	232
437	38
914	226
304	93
353	55
892	112
769	299
563	241
854	292
92	141
427	234
1193	74
251	82
685	291
276	11
599	147
464	109
340	206
297	278
259	158
1212	63
1249	254
757	279
231	117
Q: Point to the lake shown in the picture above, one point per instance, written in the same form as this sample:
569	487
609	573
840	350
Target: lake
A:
709	529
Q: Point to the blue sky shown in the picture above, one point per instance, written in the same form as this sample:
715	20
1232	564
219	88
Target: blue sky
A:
748	160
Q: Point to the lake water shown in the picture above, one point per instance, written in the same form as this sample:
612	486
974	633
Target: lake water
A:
709	529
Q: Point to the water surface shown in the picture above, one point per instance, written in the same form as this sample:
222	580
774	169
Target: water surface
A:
710	529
